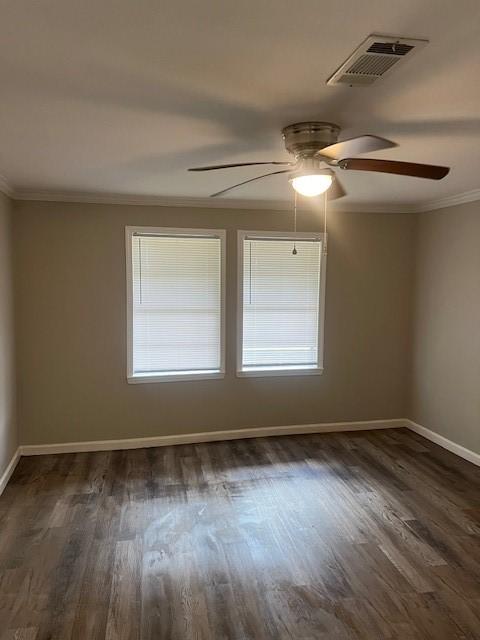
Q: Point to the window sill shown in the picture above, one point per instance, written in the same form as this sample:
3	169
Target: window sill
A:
144	378
253	372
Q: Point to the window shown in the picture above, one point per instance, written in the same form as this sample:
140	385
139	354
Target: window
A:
175	292
281	303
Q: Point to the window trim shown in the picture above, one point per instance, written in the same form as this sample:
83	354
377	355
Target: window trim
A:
155	376
293	370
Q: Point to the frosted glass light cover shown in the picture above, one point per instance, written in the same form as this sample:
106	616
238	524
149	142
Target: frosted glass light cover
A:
312	185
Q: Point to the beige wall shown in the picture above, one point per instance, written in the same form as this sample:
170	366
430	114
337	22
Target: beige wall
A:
8	433
70	287
402	338
446	348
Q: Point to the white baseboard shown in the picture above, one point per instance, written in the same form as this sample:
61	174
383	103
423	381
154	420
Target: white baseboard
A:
208	436
235	434
463	452
5	477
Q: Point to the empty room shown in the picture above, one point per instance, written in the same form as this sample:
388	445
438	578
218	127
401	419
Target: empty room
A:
239	320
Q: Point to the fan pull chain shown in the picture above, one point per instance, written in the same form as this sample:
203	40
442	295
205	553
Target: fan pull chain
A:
325	224
294	252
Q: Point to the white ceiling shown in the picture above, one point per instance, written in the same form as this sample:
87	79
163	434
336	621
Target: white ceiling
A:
122	97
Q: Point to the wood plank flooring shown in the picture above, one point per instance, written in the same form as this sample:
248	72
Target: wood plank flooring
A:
341	537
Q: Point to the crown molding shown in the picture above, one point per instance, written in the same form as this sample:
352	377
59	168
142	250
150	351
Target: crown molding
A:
205	203
158	201
230	203
5	187
449	201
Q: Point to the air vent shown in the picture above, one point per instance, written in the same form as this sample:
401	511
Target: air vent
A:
390	48
374	59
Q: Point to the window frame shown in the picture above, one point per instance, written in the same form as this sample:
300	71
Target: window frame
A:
141	378
293	370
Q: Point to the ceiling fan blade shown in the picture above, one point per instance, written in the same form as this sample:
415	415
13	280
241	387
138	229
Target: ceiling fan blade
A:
336	190
354	146
237	164
429	171
273	173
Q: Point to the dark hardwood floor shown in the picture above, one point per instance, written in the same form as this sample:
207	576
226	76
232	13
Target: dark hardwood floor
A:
371	535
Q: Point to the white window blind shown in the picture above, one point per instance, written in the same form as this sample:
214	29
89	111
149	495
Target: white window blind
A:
176	304
282	300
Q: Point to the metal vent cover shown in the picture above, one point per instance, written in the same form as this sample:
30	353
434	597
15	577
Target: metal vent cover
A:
374	59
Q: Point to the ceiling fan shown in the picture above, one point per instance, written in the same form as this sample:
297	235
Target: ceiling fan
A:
316	152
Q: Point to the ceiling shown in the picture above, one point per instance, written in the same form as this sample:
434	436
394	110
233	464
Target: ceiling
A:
122	97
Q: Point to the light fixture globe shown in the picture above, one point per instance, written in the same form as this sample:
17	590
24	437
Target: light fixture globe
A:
310	180
312	185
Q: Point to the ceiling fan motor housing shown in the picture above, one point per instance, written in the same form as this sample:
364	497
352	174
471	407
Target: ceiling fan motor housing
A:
304	139
308	166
